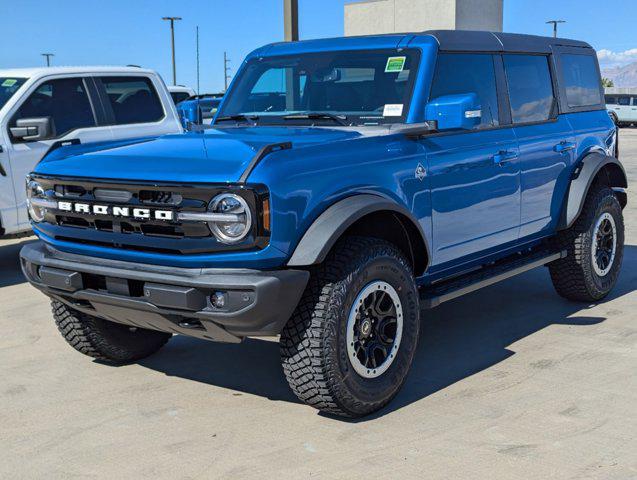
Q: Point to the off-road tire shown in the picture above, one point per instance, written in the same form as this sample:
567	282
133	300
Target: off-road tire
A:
574	277
313	343
104	340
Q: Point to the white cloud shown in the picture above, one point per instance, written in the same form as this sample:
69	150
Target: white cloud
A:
610	59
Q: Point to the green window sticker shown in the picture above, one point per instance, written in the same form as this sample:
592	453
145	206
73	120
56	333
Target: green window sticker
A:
9	82
395	64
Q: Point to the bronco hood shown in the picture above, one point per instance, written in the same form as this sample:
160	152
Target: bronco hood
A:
216	156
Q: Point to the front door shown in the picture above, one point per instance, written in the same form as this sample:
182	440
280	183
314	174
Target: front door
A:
474	174
66	102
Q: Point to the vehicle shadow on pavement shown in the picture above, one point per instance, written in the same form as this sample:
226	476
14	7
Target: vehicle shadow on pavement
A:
459	339
10	271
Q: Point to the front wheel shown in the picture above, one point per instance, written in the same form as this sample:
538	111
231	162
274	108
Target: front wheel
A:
595	247
108	341
350	343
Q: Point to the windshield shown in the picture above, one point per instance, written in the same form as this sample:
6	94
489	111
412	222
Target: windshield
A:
8	86
342	87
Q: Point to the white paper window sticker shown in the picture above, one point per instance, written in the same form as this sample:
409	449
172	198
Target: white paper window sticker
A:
393	110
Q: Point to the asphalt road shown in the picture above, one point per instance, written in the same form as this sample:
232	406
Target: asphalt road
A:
509	382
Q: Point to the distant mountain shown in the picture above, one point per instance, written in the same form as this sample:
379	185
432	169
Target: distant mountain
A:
625	76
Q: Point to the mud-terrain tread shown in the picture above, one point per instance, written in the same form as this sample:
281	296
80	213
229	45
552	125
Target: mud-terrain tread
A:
87	335
571	275
306	340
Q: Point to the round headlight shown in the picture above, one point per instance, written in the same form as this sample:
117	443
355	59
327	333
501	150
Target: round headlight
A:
35	190
235	229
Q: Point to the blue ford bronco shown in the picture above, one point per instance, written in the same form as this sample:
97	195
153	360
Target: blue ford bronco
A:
345	187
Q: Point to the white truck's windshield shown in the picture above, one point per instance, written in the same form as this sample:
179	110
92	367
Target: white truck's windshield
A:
8	86
339	87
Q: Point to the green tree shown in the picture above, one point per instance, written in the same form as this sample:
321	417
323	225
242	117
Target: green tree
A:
607	83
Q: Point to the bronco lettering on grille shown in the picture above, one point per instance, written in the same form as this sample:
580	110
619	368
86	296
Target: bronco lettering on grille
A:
125	212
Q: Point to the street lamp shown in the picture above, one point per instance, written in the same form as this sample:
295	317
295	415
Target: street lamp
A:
172	43
48	58
555	22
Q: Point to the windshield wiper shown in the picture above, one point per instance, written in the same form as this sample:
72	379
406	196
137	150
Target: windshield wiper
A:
237	118
340	119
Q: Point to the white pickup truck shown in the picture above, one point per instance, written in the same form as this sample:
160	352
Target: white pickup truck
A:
42	108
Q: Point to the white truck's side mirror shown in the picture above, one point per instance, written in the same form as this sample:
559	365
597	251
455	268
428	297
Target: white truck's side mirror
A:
33	129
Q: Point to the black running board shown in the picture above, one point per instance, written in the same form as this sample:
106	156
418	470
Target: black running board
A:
435	295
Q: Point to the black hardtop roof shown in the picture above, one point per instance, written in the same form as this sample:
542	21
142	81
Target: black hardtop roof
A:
469	40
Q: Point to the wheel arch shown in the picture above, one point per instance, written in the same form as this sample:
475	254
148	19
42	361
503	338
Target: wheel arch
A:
594	168
366	215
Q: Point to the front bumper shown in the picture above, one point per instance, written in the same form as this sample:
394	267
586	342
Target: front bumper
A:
169	299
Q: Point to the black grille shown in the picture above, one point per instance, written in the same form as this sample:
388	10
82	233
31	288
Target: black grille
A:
138	234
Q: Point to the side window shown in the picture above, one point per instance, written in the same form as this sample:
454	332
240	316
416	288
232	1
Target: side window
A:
65	101
581	80
530	87
179	96
610	100
468	73
624	101
634	101
133	100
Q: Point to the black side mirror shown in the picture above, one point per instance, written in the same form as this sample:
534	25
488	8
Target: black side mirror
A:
33	129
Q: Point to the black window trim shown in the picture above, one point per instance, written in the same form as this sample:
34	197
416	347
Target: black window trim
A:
93	102
558	52
106	103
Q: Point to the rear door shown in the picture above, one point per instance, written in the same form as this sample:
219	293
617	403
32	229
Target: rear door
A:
134	107
73	113
545	139
474	174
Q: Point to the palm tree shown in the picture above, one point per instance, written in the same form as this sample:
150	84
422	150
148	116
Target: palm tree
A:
607	83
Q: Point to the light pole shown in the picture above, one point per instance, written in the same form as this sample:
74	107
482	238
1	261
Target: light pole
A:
48	58
226	69
172	43
291	20
555	22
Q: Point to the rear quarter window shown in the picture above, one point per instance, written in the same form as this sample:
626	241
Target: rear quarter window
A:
581	80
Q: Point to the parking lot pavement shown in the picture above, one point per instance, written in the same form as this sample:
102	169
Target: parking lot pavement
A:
509	382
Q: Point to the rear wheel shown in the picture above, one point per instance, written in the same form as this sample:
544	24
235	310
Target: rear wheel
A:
595	246
351	341
104	340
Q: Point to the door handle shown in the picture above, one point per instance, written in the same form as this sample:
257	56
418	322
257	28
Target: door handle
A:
564	147
504	156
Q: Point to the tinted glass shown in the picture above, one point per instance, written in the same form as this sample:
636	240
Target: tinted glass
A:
133	100
468	73
64	100
610	100
530	87
8	86
623	101
364	87
581	80
179	96
634	101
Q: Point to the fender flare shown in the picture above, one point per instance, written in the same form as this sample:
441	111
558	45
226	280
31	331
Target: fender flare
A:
582	180
330	225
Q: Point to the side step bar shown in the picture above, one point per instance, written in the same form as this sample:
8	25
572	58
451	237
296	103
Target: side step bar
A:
435	295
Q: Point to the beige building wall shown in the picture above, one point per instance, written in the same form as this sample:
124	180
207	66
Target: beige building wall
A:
389	16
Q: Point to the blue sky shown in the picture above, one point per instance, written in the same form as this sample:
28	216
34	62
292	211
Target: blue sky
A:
120	32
